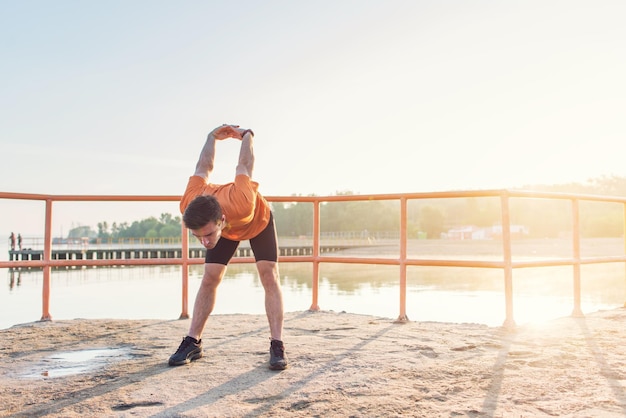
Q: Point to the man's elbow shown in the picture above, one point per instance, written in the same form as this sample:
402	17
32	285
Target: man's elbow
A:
244	169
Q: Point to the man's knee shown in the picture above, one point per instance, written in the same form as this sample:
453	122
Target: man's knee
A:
210	281
268	273
213	274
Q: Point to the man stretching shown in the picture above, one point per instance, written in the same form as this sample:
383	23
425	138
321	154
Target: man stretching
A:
221	216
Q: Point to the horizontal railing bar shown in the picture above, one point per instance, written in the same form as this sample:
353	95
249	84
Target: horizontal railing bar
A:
412	262
567	196
134	262
455	263
90	198
450	194
334	198
607	259
568	261
322	259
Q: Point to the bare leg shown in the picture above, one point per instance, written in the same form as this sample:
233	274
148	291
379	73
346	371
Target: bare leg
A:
268	272
205	299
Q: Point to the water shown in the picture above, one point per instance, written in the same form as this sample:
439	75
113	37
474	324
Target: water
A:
67	363
433	294
442	294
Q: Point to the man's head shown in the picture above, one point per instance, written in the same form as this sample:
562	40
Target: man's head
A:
205	219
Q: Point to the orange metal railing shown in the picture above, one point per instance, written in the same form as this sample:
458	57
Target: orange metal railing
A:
507	264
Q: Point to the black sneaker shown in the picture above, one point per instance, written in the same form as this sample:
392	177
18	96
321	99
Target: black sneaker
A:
190	349
278	360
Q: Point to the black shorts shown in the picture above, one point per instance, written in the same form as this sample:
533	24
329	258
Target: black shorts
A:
264	247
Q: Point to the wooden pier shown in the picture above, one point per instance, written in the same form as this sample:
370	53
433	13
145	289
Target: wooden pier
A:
121	253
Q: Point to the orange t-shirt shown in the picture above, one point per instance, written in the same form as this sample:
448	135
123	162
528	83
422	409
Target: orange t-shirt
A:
247	212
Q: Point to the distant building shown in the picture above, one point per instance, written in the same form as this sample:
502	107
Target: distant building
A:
466	232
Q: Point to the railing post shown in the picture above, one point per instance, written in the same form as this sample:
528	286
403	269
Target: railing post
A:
316	256
185	270
624	226
47	256
509	322
403	253
577	312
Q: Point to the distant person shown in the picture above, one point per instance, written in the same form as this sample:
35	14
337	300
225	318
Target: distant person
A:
221	216
19	241
12	241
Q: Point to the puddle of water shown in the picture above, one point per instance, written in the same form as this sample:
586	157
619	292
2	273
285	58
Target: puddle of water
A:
67	363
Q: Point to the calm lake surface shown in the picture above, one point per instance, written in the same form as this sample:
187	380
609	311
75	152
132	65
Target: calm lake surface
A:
433	293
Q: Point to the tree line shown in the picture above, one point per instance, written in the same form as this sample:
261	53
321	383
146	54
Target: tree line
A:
165	227
428	218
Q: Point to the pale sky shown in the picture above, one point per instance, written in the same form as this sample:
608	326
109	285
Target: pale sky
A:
116	97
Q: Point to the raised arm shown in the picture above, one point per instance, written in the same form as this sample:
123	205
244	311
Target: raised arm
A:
205	163
246	154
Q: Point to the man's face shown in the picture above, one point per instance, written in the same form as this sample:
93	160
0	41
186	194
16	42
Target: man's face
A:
209	234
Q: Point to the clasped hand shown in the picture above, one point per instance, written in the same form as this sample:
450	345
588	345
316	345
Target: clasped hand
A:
228	131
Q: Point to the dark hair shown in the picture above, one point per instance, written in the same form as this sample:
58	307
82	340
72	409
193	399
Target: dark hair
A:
201	211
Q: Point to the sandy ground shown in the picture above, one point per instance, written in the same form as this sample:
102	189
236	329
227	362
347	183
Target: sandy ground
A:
342	365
